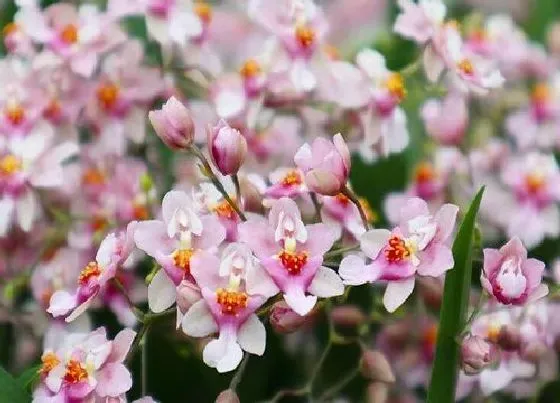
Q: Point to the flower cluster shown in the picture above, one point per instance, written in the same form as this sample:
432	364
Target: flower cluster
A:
168	159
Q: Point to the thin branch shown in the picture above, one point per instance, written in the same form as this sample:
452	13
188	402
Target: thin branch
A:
239	374
348	193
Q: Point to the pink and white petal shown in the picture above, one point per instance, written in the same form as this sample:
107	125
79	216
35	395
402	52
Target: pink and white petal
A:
257	233
198	321
354	271
85	64
204	268
540	292
173	201
433	64
326	283
435	260
7	207
492	380
161	292
25	210
257	281
533	270
224	354
492	260
55	377
107	250
252	335
304	158
213	233
320	238
121	345
80	309
113	380
61	303
397	293
413	208
445	219
151	237
299	302
373	241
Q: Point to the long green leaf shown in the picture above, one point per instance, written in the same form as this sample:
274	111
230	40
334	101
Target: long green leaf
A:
453	311
10	389
28	377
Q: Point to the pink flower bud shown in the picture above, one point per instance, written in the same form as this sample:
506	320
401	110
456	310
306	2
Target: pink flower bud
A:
284	320
347	315
227	396
374	366
187	295
326	165
227	147
173	124
377	392
476	354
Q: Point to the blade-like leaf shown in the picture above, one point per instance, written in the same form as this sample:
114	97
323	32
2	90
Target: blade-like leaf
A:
28	377
453	311
10	389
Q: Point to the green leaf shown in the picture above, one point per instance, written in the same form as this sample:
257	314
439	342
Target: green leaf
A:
453	310
11	390
27	378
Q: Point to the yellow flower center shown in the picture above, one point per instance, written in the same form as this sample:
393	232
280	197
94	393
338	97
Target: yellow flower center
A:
49	360
107	95
424	172
534	182
395	85
292	178
75	372
93	177
466	67
232	302
9	29
540	93
250	69
9	165
305	36
69	34
182	259
204	11
14	112
92	270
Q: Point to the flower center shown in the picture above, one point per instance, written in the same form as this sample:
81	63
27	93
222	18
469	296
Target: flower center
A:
53	109
292	178
232	302
396	250
250	69
395	85
293	262
305	36
534	182
204	11
107	95
93	177
69	34
466	67
224	210
424	172
75	372
49	360
540	93
182	259
9	165
92	270
99	223
140	211
15	113
9	29
342	198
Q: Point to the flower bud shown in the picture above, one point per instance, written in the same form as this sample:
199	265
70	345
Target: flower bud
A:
173	124
509	338
227	148
347	315
228	396
377	392
476	354
374	366
284	320
187	295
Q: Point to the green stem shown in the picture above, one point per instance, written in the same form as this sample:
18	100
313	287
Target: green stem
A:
341	251
235	179
348	193
239	374
215	181
137	312
332	391
143	330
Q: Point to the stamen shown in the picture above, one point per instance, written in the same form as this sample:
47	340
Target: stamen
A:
92	270
293	262
182	259
466	67
534	182
395	85
15	113
396	250
107	95
342	198
9	29
305	36
224	210
93	177
540	93
75	372
9	165
424	172
293	177
232	302
250	69
69	34
49	360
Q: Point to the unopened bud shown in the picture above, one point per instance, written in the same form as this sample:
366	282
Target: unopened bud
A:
228	396
227	147
509	338
284	320
374	366
173	124
377	392
476	354
187	295
347	315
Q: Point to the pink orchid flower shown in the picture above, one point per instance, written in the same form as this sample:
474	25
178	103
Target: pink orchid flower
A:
326	164
94	278
232	288
172	242
341	212
419	21
418	245
292	254
286	182
85	367
27	164
446	121
510	277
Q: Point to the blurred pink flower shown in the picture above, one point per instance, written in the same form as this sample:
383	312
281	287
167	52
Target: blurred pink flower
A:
446	121
173	124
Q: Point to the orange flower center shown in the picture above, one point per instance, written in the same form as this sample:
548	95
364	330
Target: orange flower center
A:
93	177
466	66
9	29
140	212
396	250
9	165
493	333
232	302
99	223
204	11
395	85
342	198
107	95
292	178
53	109
305	36
182	259
92	270
224	210
250	68
424	172
293	261
534	182
15	113
540	93
49	360
69	34
75	372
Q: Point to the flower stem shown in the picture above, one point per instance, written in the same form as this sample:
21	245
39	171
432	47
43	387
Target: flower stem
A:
239	373
137	312
235	179
339	385
341	251
215	181
348	193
